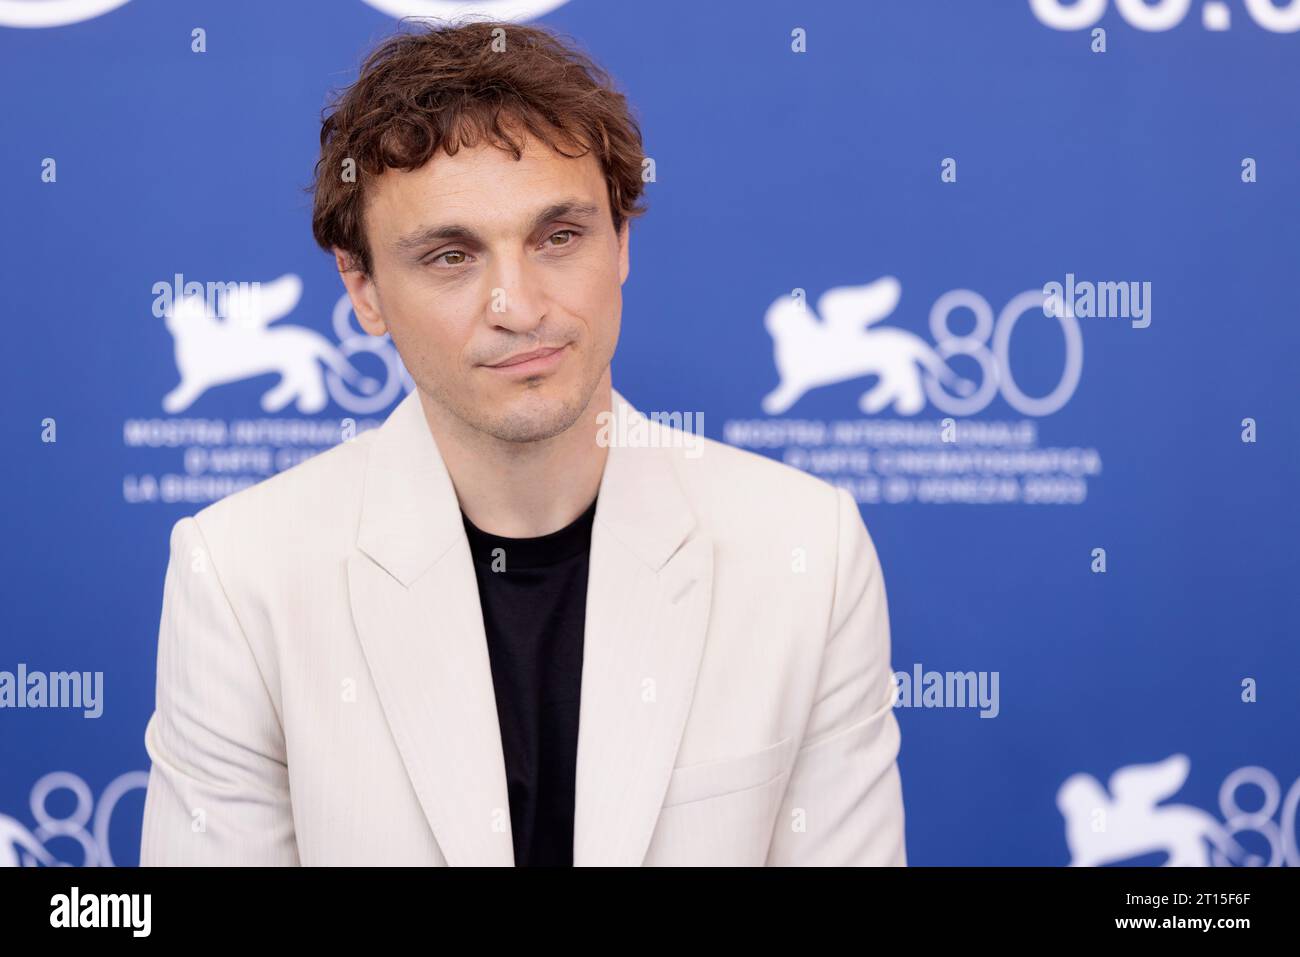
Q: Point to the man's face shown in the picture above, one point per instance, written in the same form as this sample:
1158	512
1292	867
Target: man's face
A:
478	258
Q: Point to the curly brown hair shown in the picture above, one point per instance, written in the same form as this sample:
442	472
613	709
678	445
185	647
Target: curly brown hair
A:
453	85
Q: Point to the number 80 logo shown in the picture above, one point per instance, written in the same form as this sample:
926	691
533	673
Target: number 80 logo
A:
1157	15
995	361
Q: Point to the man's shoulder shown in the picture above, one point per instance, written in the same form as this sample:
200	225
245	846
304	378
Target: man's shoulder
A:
741	494
306	506
731	462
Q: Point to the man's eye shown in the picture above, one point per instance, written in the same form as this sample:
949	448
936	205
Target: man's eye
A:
569	234
450	252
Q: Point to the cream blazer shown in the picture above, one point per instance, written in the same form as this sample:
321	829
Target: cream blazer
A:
324	695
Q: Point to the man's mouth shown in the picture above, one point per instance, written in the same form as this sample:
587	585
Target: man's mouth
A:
535	360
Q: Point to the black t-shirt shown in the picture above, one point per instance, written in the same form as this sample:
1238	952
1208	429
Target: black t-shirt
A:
533	592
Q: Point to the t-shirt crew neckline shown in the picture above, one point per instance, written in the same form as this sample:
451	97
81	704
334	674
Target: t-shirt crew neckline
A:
560	545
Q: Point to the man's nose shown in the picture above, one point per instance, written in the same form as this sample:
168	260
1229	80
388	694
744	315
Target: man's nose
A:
515	300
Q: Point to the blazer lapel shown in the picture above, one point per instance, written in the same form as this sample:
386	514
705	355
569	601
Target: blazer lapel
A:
648	597
416	607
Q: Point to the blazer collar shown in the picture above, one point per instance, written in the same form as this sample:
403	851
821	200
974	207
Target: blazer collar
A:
410	515
415	604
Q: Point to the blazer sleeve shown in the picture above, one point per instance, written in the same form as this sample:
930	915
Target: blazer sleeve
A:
844	802
218	789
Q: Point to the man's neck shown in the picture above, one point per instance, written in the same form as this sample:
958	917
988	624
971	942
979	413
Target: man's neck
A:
523	489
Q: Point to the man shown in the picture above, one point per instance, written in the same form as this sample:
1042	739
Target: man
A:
520	623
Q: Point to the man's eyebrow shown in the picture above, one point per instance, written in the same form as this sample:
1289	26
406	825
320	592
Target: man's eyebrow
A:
420	238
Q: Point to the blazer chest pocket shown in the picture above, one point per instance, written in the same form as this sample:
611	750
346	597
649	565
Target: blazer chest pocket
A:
696	782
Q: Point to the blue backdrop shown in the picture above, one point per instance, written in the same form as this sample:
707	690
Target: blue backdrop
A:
1106	527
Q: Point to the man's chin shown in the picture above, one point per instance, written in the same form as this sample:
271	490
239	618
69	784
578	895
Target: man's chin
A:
537	413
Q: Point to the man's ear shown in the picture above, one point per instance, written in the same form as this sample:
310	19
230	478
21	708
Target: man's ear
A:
624	238
361	290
